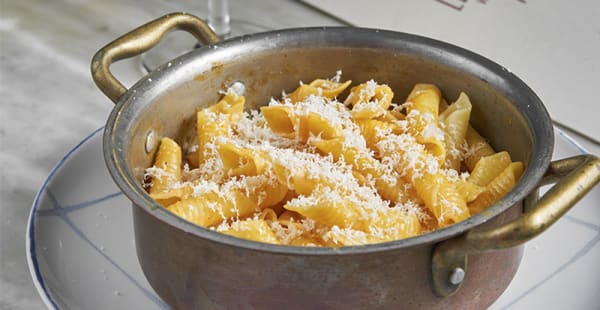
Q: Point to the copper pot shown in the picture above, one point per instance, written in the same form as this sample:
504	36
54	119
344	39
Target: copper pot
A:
467	265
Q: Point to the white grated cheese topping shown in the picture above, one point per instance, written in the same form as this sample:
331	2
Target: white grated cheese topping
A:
397	158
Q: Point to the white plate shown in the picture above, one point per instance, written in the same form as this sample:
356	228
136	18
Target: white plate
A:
81	252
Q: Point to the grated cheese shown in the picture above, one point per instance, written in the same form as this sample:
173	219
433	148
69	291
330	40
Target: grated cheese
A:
398	156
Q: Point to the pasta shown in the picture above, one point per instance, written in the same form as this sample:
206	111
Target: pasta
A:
310	170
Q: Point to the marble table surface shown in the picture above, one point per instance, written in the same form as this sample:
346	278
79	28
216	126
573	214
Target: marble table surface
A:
49	101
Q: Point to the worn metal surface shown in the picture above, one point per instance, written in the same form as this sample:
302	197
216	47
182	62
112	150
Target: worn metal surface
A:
189	265
574	177
188	272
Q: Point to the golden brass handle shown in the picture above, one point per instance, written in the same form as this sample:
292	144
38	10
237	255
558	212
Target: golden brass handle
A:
139	41
576	176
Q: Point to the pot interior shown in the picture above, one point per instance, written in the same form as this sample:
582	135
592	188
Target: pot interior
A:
505	110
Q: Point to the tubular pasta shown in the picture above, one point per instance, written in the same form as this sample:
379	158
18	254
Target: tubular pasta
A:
168	160
310	170
499	187
489	167
216	120
369	100
422	115
456	122
326	88
478	147
166	171
388	184
251	229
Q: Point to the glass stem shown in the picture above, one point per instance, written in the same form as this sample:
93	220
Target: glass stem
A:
218	16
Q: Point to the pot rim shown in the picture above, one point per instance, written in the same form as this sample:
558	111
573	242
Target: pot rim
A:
530	107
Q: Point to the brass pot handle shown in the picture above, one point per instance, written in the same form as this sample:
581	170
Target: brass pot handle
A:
574	177
139	41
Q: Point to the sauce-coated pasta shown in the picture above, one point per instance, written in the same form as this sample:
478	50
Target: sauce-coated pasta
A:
310	170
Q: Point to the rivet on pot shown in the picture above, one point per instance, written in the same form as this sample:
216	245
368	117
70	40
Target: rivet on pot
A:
238	87
150	141
457	276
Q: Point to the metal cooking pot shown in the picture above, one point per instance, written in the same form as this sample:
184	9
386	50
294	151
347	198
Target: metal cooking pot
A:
193	267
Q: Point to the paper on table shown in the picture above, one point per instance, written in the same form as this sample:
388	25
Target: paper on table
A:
553	45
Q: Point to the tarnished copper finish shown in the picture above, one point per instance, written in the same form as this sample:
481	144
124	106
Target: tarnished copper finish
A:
574	177
139	41
194	267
